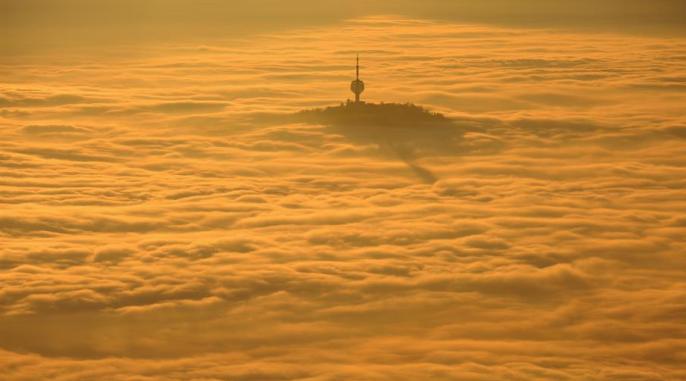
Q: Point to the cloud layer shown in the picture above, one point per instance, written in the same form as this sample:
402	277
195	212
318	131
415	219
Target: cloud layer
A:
162	220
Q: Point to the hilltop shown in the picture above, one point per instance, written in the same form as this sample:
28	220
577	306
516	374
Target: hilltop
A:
363	114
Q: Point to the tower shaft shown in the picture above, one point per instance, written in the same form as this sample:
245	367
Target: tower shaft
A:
357	86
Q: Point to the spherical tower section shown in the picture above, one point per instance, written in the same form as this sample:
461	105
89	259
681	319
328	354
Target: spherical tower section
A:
357	87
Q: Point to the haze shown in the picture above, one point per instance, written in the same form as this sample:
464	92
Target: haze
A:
169	212
32	25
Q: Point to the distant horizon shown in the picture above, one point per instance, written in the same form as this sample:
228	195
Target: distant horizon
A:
32	25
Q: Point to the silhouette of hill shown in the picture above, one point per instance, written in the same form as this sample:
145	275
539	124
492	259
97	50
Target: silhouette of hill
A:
374	114
388	125
405	131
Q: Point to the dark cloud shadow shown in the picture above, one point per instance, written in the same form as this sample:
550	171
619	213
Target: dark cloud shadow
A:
406	131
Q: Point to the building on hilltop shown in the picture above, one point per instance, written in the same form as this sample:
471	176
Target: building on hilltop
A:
357	86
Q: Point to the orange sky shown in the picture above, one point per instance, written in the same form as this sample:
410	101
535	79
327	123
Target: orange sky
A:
162	218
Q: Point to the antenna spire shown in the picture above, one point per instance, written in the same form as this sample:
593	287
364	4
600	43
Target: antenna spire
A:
357	67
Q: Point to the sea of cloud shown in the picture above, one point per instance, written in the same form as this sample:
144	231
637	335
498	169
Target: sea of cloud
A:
160	218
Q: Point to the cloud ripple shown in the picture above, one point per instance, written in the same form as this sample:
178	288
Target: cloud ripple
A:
162	220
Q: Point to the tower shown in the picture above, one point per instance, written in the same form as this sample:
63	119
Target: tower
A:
357	86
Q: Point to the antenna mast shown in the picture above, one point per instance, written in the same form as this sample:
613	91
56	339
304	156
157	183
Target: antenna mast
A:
357	86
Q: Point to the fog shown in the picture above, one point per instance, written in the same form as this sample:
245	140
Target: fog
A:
169	212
